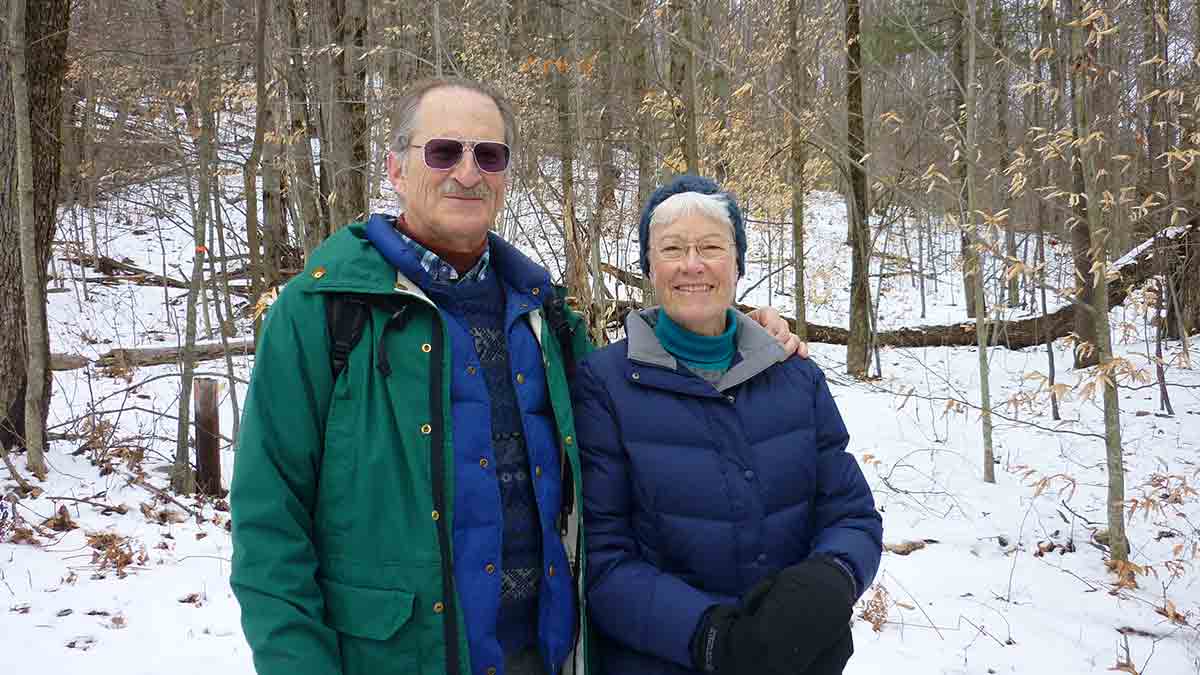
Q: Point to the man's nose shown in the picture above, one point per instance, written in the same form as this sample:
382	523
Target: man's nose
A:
466	172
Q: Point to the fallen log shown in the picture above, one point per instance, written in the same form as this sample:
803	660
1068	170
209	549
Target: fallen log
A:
150	356
107	266
155	356
1127	274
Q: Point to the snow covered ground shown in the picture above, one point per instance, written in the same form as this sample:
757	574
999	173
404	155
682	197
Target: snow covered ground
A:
1010	578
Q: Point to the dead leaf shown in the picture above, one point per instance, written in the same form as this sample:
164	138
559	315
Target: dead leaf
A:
61	522
904	548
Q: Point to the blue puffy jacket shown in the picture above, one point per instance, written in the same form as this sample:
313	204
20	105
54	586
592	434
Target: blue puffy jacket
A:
693	492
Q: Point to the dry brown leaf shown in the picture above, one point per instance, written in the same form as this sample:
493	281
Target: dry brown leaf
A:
904	548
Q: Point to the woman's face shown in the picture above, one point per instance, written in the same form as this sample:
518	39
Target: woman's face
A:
693	266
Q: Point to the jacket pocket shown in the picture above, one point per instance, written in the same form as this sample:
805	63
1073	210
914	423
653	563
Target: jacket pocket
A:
371	625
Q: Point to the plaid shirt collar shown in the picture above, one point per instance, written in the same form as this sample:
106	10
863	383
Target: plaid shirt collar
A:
438	269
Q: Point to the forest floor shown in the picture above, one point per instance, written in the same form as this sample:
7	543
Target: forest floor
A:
978	578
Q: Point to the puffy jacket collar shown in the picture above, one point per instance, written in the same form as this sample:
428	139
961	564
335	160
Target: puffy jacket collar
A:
756	350
347	262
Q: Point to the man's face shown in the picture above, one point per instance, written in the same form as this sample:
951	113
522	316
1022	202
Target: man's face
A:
450	210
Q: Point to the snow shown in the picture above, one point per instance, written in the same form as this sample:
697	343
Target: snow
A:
976	599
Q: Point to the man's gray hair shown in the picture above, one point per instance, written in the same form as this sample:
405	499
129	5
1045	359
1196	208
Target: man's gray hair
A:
714	207
408	104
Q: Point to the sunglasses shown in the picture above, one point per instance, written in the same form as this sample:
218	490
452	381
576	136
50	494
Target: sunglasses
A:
443	154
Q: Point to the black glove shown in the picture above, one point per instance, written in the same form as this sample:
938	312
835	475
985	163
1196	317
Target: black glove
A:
833	660
724	642
806	611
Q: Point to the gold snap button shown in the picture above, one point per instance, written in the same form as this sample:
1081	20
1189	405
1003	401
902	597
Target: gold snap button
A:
490	568
470	370
438	608
537	470
319	272
491	670
520	378
536	291
426	347
425	429
551	570
436	515
569	440
483	463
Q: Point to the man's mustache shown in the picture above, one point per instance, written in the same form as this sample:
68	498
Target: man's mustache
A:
453	187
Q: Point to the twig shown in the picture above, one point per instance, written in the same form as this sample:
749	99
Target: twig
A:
163	494
99	505
918	604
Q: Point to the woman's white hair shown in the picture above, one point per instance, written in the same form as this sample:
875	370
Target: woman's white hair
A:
715	207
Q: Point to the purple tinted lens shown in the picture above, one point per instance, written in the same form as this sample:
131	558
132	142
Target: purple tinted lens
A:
491	157
443	153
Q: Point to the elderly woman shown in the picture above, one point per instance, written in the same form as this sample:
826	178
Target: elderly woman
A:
728	529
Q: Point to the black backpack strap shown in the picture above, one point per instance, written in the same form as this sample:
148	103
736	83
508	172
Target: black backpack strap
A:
556	316
345	317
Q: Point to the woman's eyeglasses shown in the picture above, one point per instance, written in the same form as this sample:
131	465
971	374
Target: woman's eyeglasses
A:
710	248
443	154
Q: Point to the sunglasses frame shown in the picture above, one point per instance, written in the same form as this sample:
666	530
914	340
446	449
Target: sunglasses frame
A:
465	144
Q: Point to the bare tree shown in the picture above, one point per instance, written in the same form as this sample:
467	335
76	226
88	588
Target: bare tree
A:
1082	65
44	25
683	81
33	280
797	71
857	348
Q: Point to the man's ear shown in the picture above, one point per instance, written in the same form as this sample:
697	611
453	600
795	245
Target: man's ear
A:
395	171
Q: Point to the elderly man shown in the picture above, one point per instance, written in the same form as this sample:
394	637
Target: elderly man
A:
407	472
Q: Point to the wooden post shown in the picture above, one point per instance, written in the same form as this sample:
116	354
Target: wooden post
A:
208	435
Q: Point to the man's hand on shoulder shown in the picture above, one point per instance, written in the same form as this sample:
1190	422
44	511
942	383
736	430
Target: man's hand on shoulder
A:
774	323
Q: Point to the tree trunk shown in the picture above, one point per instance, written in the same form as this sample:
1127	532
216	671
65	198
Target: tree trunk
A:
1118	543
33	283
1045	39
348	154
981	326
1010	237
797	72
683	82
183	480
645	144
1085	327
250	168
970	254
45	35
577	248
305	190
857	350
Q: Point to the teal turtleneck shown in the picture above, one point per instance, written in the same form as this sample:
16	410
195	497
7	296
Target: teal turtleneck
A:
703	354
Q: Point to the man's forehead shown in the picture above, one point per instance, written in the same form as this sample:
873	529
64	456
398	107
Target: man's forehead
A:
452	112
